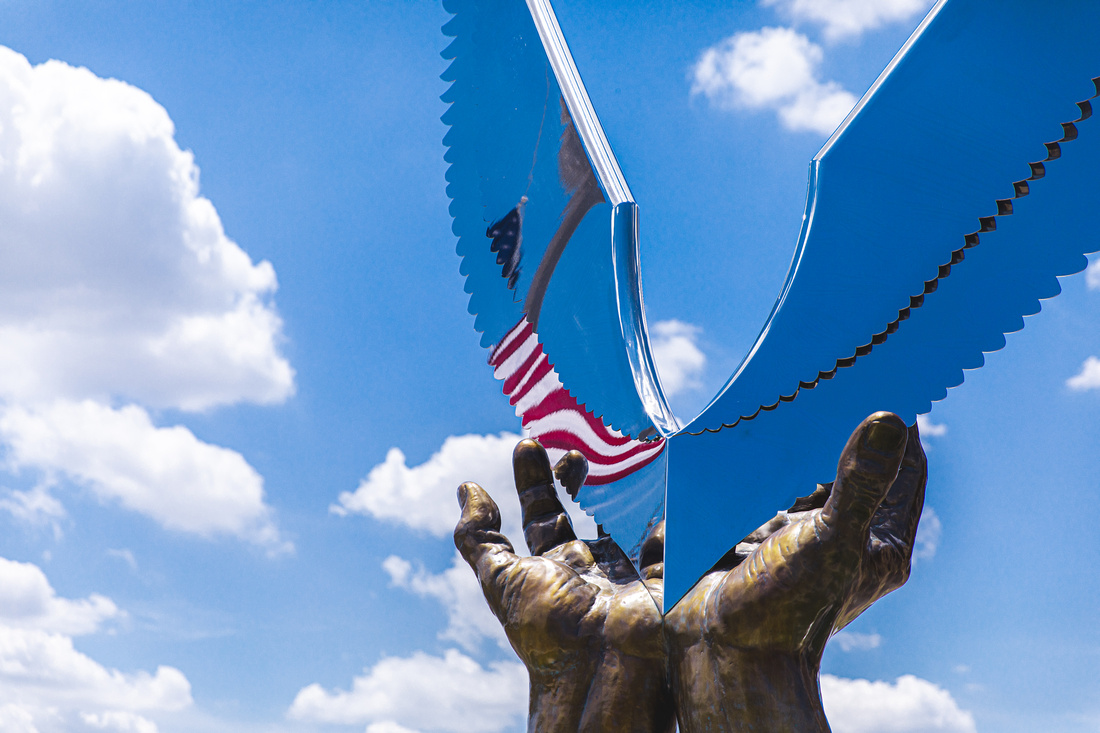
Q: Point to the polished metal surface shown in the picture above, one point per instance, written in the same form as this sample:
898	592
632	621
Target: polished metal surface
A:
939	214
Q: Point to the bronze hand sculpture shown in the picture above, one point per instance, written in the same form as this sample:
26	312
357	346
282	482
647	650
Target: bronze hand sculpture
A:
745	643
741	651
576	612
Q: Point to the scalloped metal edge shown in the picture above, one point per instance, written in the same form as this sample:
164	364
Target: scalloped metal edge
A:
600	156
1021	188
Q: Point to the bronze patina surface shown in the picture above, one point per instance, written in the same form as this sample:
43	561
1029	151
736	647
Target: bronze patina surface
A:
742	651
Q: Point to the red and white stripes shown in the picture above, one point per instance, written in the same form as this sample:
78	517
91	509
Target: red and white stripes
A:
553	417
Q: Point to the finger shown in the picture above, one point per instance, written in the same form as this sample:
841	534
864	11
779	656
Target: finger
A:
893	531
545	523
478	531
571	472
868	466
651	560
897	517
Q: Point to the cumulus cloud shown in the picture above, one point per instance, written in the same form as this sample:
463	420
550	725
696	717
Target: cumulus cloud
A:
909	705
119	286
166	474
423	497
49	686
851	641
846	18
43	670
679	360
1088	378
772	69
116	277
421	692
469	620
28	601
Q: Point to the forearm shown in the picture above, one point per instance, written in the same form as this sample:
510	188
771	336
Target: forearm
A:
747	691
621	694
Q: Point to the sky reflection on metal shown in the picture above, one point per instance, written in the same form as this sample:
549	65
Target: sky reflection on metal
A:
938	215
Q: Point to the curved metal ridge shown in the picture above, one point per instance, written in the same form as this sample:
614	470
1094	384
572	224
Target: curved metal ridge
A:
1021	188
651	435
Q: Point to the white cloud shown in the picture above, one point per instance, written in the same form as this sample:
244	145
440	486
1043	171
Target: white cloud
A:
1089	376
776	69
48	686
14	719
119	720
118	285
1092	275
28	601
851	641
388	726
116	277
423	693
909	705
469	620
679	360
43	670
929	532
423	497
929	429
164	473
841	18
125	555
35	507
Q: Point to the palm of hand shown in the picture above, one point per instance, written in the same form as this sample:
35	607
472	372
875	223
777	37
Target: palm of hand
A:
584	623
760	619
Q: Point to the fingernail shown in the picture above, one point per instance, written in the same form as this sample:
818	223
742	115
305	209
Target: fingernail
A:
530	465
462	496
884	437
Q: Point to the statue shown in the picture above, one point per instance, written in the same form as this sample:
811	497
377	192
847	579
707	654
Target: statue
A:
741	651
941	211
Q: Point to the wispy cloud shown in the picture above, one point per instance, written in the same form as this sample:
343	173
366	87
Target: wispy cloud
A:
1088	378
929	532
469	620
680	361
774	69
929	429
851	641
848	18
1092	274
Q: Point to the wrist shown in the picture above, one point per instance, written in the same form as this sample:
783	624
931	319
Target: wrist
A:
747	691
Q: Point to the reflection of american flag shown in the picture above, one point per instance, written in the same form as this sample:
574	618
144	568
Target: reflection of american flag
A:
553	417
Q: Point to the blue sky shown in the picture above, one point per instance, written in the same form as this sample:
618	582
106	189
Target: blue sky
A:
234	407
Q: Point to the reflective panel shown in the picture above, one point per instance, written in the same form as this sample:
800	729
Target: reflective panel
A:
939	214
548	237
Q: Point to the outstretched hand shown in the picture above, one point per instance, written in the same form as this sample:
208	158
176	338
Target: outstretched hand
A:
576	612
745	643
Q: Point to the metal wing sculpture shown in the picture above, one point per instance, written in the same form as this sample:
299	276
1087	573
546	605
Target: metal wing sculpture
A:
940	212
